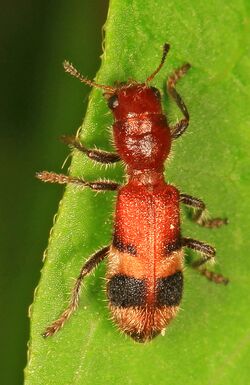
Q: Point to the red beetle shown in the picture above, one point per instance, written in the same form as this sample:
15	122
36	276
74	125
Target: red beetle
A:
145	259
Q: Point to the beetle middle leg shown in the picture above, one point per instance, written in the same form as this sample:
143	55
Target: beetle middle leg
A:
208	253
199	206
88	266
52	177
182	125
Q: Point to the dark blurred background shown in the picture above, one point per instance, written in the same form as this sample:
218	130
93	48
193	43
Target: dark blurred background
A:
38	104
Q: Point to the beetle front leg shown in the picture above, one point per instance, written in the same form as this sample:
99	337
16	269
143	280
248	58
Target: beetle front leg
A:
208	253
100	156
181	126
199	214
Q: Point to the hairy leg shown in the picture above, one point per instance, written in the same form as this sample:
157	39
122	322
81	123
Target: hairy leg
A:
181	126
88	266
208	253
199	206
100	156
52	177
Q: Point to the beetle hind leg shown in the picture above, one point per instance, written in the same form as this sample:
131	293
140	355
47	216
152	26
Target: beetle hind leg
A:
199	214
208	253
88	266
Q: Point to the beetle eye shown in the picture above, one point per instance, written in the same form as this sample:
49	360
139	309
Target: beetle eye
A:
113	102
156	92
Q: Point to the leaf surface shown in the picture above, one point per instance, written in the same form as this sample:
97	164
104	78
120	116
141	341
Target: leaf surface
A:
208	342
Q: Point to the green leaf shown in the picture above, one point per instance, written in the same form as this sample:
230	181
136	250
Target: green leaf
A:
208	342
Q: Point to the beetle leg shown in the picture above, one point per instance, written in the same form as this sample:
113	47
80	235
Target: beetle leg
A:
52	177
88	266
182	125
94	154
199	213
208	253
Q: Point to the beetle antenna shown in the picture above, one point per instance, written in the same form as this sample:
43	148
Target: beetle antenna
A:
73	72
166	48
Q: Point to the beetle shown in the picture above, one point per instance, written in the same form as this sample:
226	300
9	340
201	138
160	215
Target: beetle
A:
145	260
